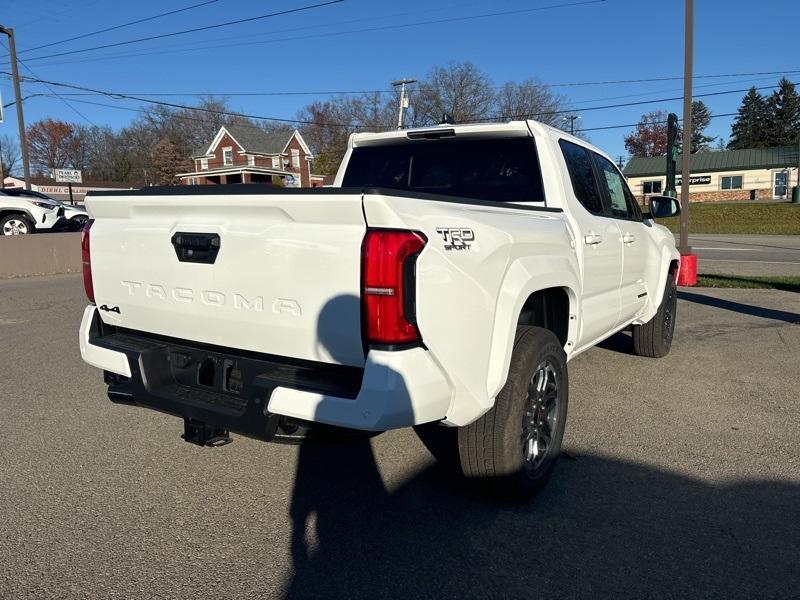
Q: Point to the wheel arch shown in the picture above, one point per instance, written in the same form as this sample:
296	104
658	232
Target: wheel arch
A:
670	264
543	292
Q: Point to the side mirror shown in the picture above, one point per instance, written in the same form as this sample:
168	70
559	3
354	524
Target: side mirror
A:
662	207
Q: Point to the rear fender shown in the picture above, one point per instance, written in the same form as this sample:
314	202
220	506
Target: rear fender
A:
523	278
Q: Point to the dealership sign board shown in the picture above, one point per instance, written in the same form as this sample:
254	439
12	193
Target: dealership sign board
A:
68	176
696	180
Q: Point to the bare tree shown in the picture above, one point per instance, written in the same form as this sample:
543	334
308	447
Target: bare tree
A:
334	120
9	155
459	89
531	99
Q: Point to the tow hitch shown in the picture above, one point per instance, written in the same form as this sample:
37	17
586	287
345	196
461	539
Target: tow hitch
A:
201	434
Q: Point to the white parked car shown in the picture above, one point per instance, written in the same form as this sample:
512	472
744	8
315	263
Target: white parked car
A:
444	283
21	215
75	215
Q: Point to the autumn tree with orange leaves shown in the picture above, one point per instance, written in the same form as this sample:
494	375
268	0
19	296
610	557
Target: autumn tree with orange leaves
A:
53	145
650	136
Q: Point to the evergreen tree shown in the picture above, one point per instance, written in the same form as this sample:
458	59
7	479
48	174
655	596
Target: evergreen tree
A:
748	129
701	117
783	123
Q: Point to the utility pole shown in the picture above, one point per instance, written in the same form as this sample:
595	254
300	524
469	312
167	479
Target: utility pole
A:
403	99
12	51
571	119
796	189
688	271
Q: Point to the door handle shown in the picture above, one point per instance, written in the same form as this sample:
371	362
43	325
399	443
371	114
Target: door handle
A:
628	238
590	239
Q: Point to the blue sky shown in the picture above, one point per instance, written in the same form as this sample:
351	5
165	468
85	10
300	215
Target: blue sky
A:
348	46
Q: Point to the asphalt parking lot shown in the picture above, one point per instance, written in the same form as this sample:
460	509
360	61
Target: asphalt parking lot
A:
682	479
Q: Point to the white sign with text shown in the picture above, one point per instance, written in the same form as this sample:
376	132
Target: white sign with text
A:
68	176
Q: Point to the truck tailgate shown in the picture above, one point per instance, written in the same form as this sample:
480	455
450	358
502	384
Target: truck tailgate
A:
284	280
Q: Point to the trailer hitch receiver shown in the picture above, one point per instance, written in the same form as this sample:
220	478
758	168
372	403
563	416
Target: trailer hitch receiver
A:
201	434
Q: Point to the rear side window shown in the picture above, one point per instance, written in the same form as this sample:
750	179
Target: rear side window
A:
579	165
621	201
492	169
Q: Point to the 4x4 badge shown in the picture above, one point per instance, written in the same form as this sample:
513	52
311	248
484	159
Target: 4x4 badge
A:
106	308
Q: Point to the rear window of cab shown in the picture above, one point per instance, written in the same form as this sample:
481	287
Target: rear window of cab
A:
490	169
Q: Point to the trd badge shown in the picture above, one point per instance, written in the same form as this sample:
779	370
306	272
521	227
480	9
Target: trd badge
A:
456	238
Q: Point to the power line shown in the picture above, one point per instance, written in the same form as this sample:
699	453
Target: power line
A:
355	92
192	30
624	81
329	34
115	27
620	105
662	122
116	95
79	113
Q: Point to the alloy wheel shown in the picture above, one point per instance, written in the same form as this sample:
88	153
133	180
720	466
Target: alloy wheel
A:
540	415
15	227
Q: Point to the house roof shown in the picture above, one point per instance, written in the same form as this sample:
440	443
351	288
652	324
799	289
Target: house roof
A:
251	139
726	160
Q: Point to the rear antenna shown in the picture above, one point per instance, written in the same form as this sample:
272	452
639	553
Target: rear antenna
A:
447	119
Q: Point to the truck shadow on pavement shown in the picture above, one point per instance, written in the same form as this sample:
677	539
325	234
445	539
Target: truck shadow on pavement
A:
745	309
602	527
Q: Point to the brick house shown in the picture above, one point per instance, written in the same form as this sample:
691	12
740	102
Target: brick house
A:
247	154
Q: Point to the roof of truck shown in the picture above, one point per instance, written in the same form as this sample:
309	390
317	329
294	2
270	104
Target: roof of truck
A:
478	129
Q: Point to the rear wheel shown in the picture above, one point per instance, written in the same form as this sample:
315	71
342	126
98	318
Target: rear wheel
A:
76	223
654	338
514	447
15	225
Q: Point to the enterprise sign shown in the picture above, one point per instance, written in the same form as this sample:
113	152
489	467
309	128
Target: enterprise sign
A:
696	180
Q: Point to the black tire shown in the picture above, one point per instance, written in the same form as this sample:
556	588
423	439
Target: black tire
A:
13	222
654	338
77	223
493	449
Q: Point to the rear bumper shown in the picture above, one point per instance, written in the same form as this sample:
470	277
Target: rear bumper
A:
249	393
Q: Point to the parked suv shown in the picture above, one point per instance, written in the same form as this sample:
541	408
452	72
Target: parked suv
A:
75	215
23	215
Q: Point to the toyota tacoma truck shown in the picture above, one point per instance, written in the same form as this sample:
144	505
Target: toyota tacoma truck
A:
443	282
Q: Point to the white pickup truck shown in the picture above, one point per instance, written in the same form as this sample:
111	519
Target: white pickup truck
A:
443	282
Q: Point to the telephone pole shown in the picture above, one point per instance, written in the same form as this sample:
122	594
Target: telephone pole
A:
403	99
12	51
688	271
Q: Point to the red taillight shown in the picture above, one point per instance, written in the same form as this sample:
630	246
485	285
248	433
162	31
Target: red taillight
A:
86	257
387	273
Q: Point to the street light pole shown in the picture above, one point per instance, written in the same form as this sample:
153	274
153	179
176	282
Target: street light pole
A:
403	99
12	51
571	119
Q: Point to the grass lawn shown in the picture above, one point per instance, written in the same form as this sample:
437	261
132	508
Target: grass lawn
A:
778	282
777	218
